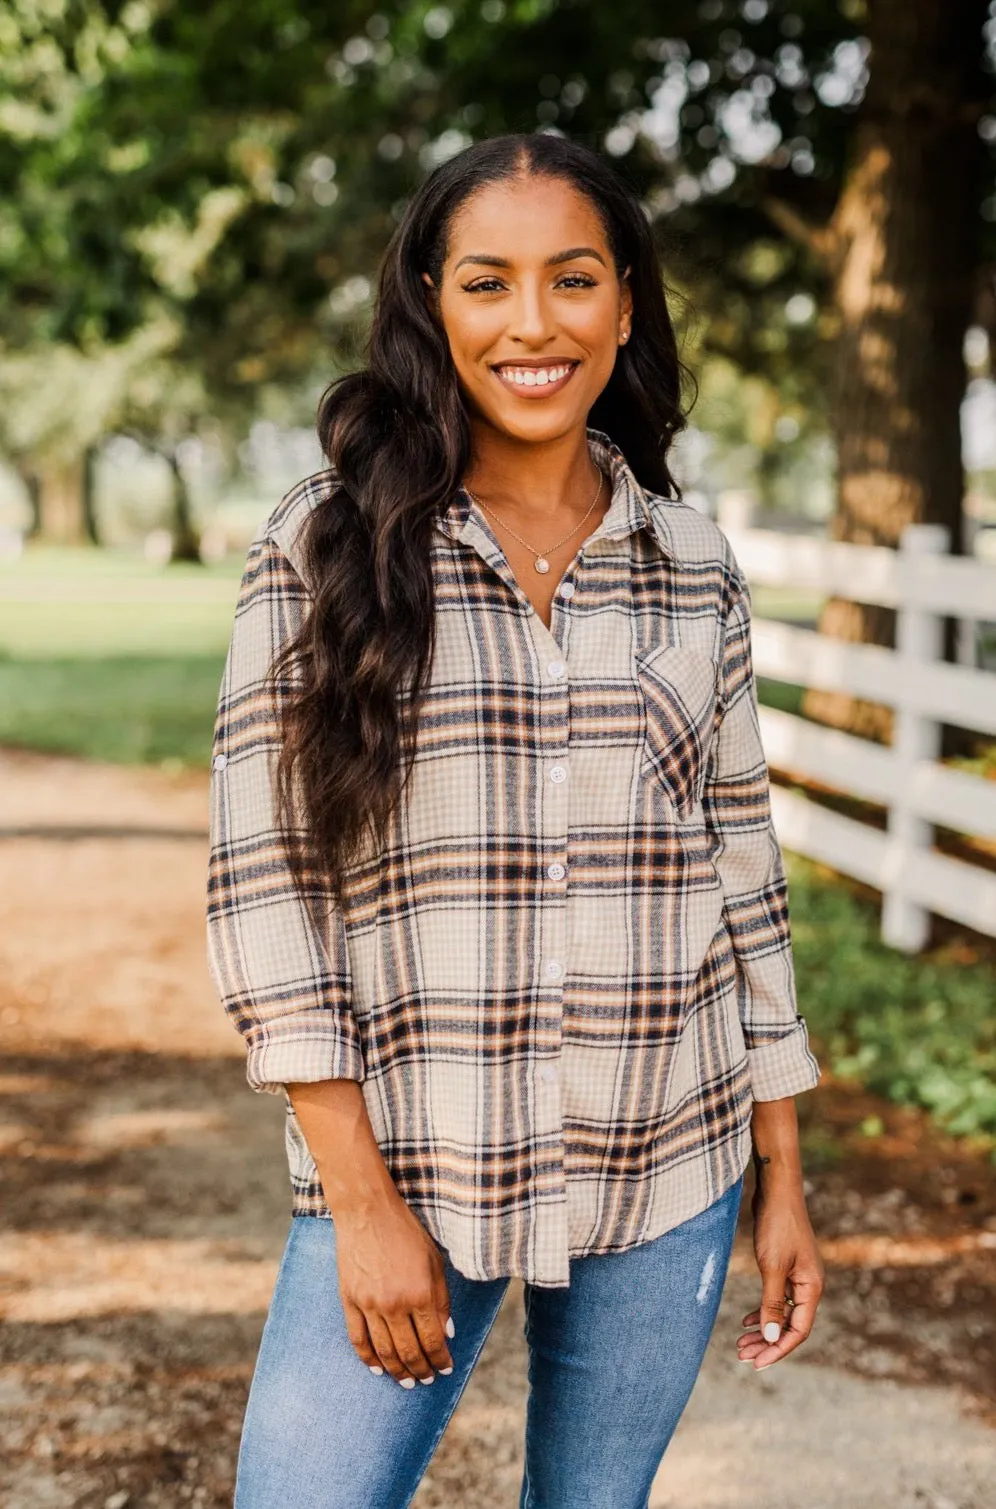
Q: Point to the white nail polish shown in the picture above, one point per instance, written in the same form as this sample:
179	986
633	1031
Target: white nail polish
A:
446	1372
378	1371
450	1327
407	1382
428	1380
772	1331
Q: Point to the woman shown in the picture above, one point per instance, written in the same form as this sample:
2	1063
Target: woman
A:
495	899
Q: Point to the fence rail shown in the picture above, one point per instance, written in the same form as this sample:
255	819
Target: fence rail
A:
924	585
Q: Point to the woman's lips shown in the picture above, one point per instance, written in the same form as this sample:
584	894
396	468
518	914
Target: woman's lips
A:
539	389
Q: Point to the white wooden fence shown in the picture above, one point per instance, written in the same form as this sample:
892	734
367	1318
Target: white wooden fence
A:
923	583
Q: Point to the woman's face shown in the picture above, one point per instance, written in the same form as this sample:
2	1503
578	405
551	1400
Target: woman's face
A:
532	306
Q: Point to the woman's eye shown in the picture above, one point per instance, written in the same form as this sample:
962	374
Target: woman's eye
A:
574	279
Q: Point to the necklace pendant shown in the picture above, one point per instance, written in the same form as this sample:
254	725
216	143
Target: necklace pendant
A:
541	563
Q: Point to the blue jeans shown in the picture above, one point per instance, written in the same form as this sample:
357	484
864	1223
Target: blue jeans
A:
613	1358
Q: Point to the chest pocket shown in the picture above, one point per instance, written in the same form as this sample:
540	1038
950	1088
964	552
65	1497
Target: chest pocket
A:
678	691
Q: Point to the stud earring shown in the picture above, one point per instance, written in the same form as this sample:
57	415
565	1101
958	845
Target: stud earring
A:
624	337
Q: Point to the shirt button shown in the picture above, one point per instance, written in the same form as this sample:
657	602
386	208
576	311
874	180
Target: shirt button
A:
567	590
558	773
554	969
548	1072
556	668
220	761
556	872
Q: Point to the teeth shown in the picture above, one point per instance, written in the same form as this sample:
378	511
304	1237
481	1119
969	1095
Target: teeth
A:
532	377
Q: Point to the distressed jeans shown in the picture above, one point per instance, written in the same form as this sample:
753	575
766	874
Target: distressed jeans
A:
613	1358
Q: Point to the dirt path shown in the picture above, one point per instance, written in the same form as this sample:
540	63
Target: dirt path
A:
145	1207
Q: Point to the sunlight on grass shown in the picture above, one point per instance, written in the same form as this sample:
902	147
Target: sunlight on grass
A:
35	631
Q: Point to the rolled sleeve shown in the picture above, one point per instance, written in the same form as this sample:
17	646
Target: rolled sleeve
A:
748	857
283	978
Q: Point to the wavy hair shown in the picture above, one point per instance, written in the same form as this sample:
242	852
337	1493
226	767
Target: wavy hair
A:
397	439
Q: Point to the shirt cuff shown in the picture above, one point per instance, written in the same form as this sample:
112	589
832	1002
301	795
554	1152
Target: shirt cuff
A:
304	1048
784	1067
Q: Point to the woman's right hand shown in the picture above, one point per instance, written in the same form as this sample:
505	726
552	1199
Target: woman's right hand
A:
392	1276
393	1286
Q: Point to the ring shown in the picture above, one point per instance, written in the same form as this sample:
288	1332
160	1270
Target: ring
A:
790	1302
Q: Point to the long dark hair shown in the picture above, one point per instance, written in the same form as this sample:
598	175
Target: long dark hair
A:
397	439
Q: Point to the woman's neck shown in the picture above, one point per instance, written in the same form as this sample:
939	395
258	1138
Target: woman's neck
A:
537	481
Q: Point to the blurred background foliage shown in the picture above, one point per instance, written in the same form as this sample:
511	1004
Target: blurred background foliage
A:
195	200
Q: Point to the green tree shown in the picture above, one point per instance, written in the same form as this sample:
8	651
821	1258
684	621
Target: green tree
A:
817	172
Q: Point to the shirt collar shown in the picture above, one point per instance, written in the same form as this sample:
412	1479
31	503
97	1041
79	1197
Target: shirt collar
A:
628	510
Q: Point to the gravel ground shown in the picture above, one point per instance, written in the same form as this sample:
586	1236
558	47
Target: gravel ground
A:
146	1206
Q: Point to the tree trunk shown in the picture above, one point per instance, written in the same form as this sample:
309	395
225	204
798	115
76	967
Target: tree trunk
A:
61	511
90	494
904	234
186	544
32	486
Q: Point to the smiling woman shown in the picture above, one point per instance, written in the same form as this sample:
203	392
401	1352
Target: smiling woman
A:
495	899
533	343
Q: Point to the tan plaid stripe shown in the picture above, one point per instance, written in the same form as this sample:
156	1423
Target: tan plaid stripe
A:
555	1061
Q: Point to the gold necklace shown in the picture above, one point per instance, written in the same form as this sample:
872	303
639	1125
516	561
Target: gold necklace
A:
541	563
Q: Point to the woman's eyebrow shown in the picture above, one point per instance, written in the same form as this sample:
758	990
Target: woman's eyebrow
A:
563	256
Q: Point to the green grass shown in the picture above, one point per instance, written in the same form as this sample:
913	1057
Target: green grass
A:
919	1030
105	655
80	564
127	709
113	605
780	694
33	632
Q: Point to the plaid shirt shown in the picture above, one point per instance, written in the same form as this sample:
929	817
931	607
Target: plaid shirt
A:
568	973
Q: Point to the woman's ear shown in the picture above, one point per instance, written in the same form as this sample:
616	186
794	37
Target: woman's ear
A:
431	294
626	296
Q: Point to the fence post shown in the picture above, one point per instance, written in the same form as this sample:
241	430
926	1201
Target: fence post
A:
916	737
966	630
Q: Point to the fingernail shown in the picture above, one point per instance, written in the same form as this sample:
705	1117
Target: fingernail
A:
428	1380
762	1367
446	1372
378	1371
771	1332
450	1327
407	1382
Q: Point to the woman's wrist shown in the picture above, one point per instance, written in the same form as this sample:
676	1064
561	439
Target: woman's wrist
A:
333	1117
775	1147
777	1176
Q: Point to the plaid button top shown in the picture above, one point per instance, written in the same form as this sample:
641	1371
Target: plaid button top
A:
568	973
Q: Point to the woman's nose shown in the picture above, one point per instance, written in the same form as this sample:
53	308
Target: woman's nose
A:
530	317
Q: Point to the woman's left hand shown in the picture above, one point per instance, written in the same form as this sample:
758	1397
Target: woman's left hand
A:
790	1265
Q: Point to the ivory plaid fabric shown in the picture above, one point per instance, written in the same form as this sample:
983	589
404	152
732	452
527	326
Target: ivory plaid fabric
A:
568	973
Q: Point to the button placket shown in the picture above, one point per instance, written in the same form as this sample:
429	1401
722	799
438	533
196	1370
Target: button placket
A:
552	966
